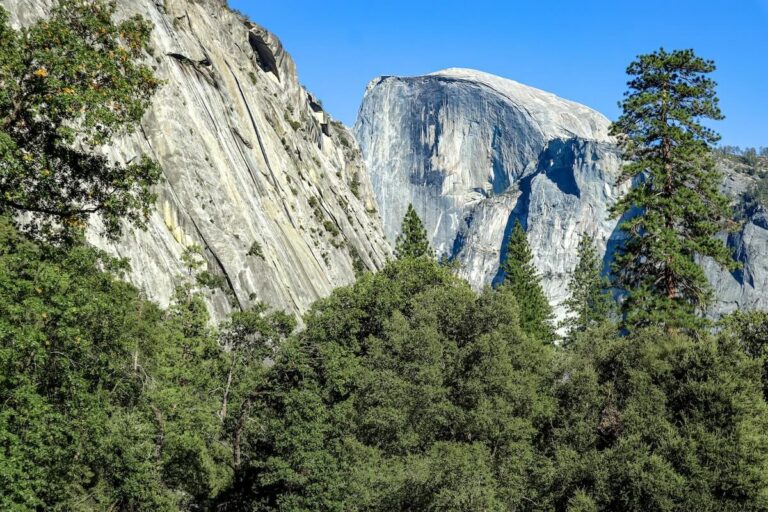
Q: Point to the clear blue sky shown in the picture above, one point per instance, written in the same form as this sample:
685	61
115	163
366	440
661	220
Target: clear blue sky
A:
575	49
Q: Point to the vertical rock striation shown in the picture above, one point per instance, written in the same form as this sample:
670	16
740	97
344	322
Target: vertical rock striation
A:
474	152
255	171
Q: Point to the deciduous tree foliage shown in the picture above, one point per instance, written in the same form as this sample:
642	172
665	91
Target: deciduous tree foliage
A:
68	85
106	399
406	391
660	421
750	330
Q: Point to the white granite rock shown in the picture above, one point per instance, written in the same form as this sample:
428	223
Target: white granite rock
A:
249	157
475	152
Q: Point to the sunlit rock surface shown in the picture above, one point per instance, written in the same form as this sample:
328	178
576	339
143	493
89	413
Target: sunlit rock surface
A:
250	159
474	153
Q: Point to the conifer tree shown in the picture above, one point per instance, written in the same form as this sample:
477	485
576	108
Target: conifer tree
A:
679	206
589	301
412	242
521	277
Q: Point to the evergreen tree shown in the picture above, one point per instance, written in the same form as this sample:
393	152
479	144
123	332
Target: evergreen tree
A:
660	420
589	302
68	85
677	206
521	277
108	402
412	242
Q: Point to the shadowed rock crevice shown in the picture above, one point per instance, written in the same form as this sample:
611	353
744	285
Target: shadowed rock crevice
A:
253	121
558	162
500	176
265	57
519	214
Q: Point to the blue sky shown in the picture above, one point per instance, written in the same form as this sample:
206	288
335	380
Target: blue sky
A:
578	50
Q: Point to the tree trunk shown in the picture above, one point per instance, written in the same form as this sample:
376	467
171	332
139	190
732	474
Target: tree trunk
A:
237	436
160	438
225	398
666	156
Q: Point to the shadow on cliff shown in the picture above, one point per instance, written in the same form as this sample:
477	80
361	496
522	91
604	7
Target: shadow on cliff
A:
557	162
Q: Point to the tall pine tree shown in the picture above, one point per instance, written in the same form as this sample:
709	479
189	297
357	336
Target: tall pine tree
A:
676	196
589	301
521	277
412	242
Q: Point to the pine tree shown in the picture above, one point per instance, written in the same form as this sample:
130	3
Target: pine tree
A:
521	277
679	206
412	242
590	302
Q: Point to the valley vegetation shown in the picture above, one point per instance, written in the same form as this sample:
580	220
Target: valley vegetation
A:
404	391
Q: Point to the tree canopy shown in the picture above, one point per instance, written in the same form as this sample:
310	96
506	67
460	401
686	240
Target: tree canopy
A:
68	85
675	208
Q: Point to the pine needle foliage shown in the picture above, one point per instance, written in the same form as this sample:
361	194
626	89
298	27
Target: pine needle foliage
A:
522	278
589	301
412	241
675	208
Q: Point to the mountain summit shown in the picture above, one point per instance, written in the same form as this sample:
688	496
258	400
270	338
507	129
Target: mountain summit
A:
474	153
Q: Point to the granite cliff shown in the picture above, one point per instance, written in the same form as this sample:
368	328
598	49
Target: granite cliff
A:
474	152
256	172
287	206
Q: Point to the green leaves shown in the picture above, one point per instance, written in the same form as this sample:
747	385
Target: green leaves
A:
405	391
660	421
105	399
70	84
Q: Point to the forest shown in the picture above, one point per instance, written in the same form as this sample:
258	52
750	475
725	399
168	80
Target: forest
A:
404	391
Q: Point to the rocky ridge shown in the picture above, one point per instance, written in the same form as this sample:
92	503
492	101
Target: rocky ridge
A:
474	153
256	172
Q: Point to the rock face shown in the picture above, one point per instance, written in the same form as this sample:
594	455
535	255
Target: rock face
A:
255	171
474	153
746	288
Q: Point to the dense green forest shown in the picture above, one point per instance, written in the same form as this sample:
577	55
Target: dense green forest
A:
404	391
